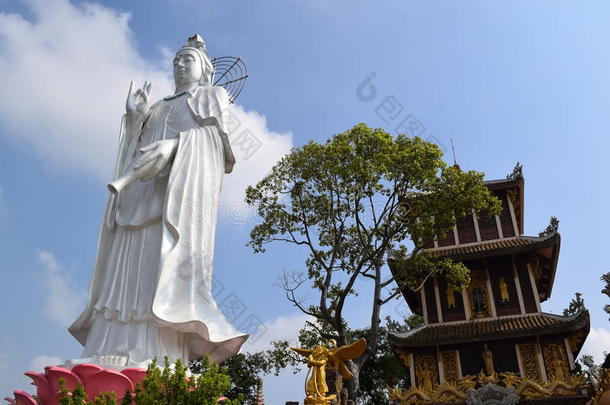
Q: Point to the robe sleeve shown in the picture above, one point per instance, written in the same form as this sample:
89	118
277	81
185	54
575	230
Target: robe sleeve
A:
210	106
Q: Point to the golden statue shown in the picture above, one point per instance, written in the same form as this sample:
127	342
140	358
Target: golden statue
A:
558	365
488	359
318	359
450	298
503	290
427	378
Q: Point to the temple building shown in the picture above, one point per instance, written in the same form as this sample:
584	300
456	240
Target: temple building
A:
493	338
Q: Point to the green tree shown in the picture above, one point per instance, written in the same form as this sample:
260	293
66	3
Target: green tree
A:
245	370
353	201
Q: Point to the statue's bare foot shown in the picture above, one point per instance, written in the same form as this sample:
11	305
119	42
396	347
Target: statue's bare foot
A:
111	361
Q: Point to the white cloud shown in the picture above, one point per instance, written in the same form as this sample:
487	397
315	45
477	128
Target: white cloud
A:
63	299
40	362
597	343
283	327
65	77
256	150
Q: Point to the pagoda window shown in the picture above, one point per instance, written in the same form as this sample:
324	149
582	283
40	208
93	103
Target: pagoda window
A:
478	295
479	301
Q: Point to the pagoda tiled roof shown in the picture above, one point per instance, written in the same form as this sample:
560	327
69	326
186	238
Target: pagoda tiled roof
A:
515	244
480	330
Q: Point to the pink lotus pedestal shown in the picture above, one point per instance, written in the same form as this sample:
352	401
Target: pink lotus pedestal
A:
93	378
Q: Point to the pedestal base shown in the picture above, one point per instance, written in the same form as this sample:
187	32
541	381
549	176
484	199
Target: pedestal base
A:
94	379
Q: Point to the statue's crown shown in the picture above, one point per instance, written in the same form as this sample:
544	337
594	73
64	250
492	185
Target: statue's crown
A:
197	43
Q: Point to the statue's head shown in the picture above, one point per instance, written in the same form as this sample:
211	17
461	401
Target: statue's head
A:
192	63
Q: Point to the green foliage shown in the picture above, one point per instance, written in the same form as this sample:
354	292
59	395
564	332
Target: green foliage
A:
76	397
415	270
586	366
606	279
381	370
167	386
245	371
411	322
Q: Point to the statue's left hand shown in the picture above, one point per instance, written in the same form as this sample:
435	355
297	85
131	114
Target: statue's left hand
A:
137	101
159	154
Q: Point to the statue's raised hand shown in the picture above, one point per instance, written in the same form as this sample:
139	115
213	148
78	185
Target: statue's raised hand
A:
137	101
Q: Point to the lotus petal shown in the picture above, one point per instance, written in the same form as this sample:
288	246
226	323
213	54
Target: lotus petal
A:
23	398
54	374
134	374
108	381
42	385
86	370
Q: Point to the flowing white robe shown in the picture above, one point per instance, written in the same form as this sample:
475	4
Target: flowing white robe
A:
151	291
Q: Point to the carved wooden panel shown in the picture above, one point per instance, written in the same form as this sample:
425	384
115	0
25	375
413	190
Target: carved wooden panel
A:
450	366
556	362
426	372
529	362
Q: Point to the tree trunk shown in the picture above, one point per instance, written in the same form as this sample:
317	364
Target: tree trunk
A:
353	385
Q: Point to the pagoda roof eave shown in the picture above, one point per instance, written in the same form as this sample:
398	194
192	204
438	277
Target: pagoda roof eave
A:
495	247
503	183
481	330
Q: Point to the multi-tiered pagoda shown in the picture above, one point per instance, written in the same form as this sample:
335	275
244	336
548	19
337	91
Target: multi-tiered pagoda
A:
492	338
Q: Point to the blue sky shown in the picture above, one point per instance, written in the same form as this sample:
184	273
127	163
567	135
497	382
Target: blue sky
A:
508	81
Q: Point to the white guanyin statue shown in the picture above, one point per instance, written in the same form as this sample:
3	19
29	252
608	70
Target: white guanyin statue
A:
151	290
